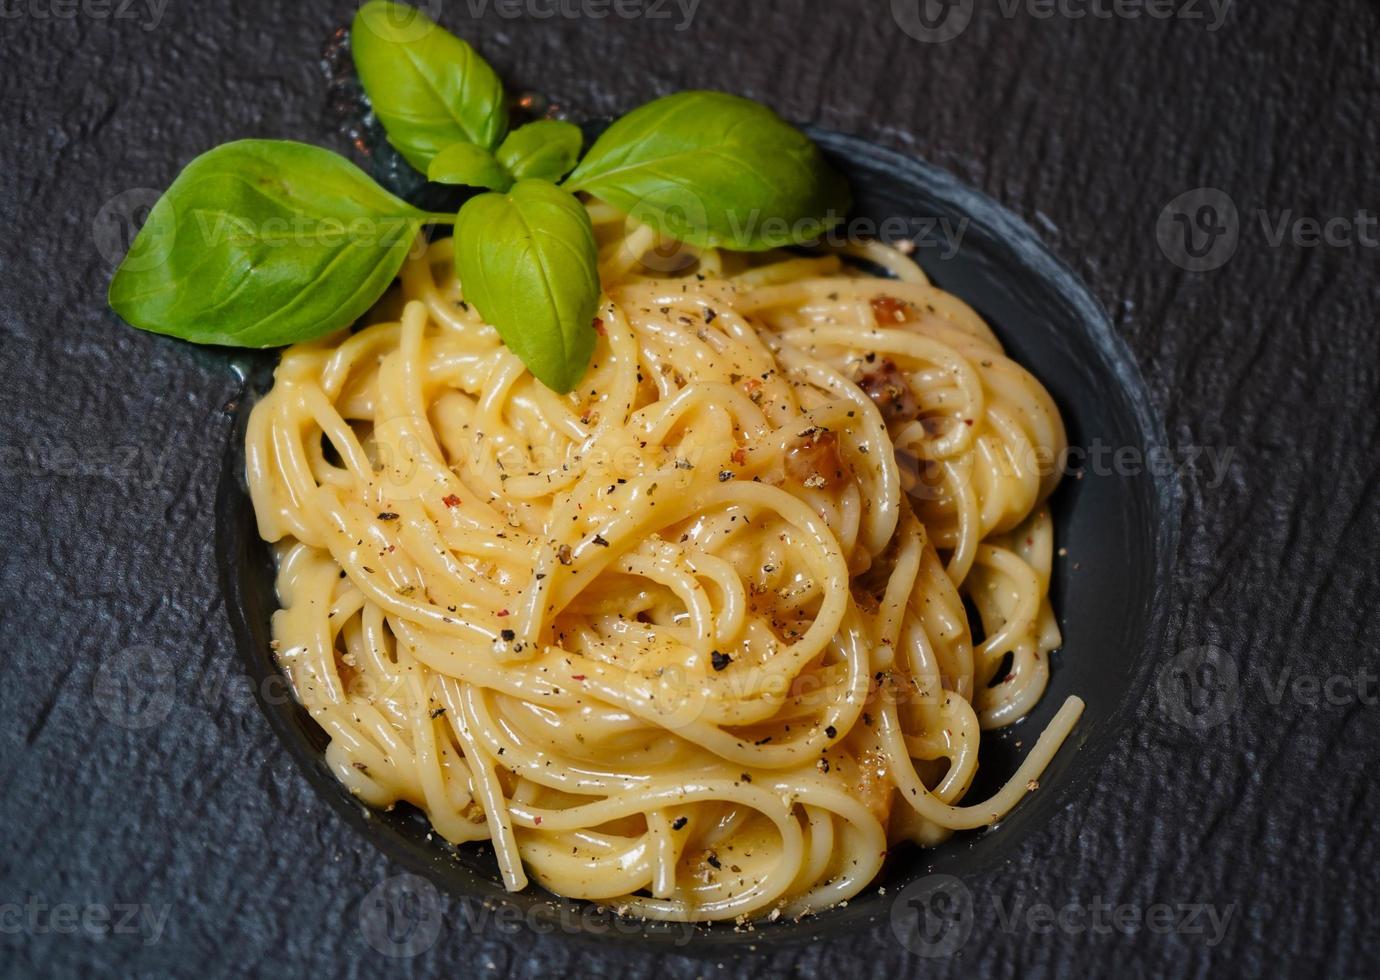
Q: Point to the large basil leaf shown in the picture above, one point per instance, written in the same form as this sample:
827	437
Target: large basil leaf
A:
714	169
547	149
527	261
428	88
470	166
260	243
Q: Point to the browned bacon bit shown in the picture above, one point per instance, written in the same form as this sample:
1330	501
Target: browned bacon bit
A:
889	309
814	459
889	390
451	500
599	326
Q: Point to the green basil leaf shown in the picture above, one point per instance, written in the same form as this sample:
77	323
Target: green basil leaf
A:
260	243
468	165
528	263
714	169
544	149
429	88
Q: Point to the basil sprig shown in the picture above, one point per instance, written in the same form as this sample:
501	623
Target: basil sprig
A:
260	243
714	170
527	261
263	242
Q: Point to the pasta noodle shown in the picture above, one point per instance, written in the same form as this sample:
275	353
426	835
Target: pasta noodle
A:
691	640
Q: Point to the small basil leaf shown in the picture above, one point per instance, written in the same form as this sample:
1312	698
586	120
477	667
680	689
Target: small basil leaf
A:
714	169
260	243
528	263
428	88
469	165
544	149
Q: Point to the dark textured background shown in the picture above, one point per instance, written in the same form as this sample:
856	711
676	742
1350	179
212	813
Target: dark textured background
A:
1085	127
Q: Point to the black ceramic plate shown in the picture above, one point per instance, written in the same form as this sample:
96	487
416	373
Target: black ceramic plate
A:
1116	520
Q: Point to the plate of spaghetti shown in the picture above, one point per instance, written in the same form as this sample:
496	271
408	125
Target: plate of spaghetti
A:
680	682
618	552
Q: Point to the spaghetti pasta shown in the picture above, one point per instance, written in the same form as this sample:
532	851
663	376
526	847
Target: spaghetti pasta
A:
690	640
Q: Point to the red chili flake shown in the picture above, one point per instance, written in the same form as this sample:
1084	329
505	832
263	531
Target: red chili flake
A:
577	677
889	309
739	456
501	612
967	421
451	500
538	821
599	326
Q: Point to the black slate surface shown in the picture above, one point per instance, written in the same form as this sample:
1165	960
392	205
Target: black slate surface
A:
194	846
